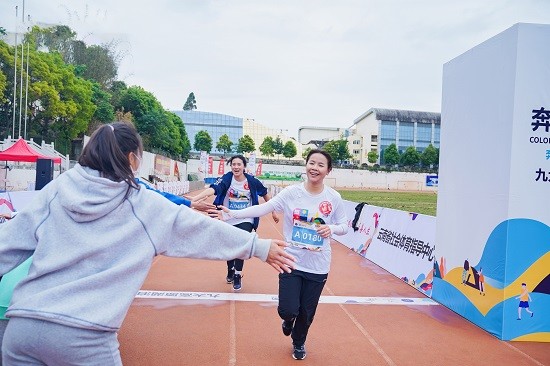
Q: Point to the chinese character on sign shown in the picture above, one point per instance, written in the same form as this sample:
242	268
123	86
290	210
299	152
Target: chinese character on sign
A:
541	175
547	154
541	119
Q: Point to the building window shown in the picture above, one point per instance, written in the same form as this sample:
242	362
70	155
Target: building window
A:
373	138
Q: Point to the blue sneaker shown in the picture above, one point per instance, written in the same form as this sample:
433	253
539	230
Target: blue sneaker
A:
237	283
299	352
230	274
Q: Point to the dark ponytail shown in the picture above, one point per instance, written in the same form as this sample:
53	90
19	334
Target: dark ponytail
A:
107	152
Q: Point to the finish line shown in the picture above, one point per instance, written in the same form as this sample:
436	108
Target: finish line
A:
224	296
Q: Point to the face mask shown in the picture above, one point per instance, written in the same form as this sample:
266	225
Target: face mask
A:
136	172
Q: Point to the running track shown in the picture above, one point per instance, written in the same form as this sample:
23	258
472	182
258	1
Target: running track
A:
198	320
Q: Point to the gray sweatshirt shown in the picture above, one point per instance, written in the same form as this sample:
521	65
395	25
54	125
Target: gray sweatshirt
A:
92	249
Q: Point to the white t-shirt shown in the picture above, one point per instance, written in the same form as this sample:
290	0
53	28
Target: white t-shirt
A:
238	198
301	210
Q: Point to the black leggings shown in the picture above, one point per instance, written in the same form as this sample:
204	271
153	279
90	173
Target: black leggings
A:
299	294
238	264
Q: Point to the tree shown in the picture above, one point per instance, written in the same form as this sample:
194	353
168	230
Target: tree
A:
191	103
429	156
266	148
203	141
410	157
372	156
289	150
278	146
246	144
338	150
224	144
184	138
305	153
391	155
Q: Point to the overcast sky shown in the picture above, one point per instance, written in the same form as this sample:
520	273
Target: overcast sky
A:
290	63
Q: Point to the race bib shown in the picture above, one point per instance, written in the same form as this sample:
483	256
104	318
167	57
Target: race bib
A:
238	204
304	235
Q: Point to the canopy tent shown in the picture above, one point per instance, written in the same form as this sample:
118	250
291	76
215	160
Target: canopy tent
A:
21	151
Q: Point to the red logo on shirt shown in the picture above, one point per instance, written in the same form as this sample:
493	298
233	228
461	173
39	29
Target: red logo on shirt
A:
325	208
246	186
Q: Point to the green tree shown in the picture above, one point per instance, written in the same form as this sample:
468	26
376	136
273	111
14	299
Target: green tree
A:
305	153
203	141
3	31
224	144
266	148
338	150
289	150
184	138
391	155
410	157
372	157
138	101
190	103
429	156
278	146
246	144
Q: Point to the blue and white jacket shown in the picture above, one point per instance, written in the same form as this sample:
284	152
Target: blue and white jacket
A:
224	182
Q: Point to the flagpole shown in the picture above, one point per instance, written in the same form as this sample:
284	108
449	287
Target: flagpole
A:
14	76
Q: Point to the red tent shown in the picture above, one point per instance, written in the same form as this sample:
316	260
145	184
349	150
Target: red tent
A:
21	151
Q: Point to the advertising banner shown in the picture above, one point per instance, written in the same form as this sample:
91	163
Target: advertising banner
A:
210	164
494	231
252	164
402	243
221	167
162	165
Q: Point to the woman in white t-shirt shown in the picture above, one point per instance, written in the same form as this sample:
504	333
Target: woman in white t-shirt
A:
312	213
237	190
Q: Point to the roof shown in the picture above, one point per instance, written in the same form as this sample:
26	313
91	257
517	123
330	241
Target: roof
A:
21	151
401	116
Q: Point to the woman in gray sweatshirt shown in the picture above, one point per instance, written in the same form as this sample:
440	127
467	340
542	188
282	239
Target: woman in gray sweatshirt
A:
93	234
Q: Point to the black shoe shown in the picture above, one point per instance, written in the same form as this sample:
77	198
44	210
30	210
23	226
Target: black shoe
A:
299	352
237	282
287	326
230	274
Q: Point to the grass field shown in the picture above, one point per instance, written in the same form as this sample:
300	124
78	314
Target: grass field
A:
419	202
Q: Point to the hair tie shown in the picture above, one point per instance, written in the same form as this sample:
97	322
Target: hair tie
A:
112	128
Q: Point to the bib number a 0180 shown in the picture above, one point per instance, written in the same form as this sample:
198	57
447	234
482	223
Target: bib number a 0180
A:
304	235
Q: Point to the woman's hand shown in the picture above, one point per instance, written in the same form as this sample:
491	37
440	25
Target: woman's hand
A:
275	216
222	213
324	231
278	258
202	205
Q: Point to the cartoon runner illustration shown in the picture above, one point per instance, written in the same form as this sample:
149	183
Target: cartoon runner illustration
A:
524	299
465	271
481	281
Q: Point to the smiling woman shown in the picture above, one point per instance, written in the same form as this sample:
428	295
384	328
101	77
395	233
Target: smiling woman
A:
312	213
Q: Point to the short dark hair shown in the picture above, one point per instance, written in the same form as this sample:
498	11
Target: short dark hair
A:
322	152
107	152
243	159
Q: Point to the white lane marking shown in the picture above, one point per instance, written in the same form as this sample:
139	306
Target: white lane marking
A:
524	354
372	341
232	335
226	296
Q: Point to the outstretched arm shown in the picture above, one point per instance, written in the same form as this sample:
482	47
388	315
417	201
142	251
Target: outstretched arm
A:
206	193
274	214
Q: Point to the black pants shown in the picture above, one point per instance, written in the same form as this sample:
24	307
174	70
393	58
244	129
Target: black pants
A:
299	294
238	264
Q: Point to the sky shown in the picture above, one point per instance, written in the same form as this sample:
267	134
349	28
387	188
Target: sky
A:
286	63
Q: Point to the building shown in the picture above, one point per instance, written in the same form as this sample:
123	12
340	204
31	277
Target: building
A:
377	128
217	124
258	132
318	136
